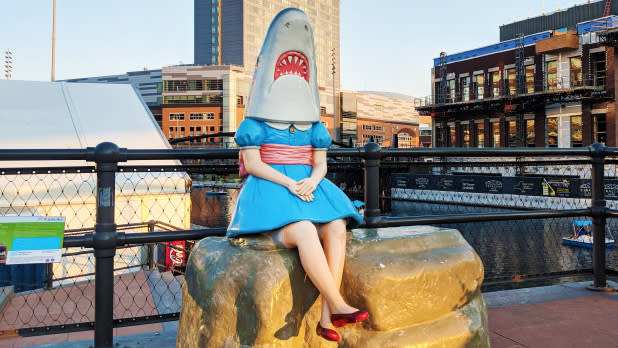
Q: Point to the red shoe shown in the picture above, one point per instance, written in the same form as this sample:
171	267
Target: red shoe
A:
326	333
341	319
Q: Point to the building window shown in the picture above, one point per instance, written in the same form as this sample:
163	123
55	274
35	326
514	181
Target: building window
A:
512	133
480	135
576	71
576	131
530	134
495	84
495	134
530	78
465	132
182	132
322	110
552	132
598	68
239	99
378	128
552	75
451	91
600	129
210	115
367	127
196	116
479	82
171	133
177	117
464	84
511	81
452	138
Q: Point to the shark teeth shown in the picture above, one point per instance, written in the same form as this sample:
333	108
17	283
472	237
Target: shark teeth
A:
292	63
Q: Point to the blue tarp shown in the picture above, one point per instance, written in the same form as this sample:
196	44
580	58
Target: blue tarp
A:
582	223
499	47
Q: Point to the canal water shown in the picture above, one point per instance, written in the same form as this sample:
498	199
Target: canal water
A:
509	249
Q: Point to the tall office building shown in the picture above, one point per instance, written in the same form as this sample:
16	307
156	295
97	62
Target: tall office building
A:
232	31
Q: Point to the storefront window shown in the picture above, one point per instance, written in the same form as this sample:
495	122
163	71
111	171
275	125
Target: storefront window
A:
452	138
480	135
552	132
530	134
576	131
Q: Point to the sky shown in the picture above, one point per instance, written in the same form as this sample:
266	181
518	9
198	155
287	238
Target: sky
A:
386	45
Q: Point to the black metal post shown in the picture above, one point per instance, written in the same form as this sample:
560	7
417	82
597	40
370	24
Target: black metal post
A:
106	156
597	160
49	276
372	183
151	247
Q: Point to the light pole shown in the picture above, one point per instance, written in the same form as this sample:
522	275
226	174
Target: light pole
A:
53	63
333	57
8	64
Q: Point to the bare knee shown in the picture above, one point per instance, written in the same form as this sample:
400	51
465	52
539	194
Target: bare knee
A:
295	232
334	230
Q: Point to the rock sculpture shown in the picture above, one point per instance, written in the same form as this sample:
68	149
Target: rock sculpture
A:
420	284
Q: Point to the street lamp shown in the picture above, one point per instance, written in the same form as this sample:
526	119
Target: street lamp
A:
333	57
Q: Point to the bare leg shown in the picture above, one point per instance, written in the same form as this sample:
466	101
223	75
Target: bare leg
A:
304	236
333	237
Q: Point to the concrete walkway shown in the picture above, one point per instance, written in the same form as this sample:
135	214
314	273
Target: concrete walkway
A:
560	316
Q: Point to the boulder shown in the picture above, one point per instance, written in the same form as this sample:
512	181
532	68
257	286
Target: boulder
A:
421	286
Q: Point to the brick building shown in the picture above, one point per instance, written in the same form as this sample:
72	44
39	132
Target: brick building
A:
553	87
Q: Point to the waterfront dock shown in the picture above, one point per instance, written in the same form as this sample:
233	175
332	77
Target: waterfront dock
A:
565	315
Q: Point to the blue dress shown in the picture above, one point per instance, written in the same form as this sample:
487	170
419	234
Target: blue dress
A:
265	206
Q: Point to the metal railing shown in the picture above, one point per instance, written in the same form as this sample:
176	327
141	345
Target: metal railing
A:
108	237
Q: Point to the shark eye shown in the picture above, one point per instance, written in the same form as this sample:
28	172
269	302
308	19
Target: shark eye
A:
306	28
287	25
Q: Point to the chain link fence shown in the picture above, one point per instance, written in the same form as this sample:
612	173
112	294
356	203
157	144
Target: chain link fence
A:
148	277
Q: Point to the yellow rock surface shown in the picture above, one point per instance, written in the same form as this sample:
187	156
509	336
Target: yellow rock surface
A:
421	286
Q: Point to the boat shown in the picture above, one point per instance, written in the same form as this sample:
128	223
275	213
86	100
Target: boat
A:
582	235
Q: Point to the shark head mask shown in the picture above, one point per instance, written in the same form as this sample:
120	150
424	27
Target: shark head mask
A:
284	86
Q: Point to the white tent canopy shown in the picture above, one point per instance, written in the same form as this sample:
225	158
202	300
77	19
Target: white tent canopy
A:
61	115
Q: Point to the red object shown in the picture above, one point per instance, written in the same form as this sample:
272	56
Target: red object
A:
173	257
608	7
292	63
326	333
341	319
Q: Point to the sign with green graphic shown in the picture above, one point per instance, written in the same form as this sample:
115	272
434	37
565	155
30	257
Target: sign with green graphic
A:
31	239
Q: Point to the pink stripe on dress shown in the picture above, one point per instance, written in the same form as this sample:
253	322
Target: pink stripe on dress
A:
286	154
280	154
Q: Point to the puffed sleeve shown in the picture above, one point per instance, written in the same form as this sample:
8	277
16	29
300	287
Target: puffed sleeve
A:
250	134
320	138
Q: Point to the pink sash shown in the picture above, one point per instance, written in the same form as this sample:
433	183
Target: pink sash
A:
280	154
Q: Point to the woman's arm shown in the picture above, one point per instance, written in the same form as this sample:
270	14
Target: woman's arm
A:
308	185
256	167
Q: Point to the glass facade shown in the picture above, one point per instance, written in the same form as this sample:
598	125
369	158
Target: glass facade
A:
495	132
245	24
479	82
575	71
530	78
